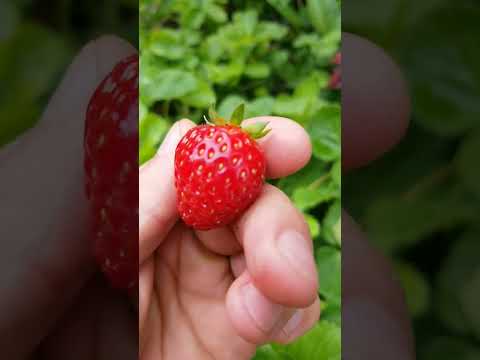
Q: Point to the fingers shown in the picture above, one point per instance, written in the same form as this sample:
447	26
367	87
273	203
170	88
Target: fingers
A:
375	102
287	147
278	250
258	319
157	196
100	326
372	302
44	211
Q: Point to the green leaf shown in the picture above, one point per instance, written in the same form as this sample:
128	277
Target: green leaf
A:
456	271
285	9
167	84
238	115
332	225
416	288
261	106
322	342
469	295
396	222
448	348
324	15
467	163
257	70
325	131
9	19
266	352
152	130
313	225
168	43
290	106
228	105
202	97
329	266
306	198
444	79
314	171
216	13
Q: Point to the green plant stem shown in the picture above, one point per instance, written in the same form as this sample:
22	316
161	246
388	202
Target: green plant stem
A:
319	181
428	181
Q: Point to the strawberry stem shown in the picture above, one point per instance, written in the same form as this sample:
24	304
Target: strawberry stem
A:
256	130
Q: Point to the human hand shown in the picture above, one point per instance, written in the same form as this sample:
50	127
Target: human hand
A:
376	111
52	304
218	294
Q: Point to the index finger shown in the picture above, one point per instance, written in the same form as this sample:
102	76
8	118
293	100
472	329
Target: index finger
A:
287	149
287	146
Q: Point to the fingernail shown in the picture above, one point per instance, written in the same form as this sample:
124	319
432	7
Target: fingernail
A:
293	323
264	313
370	332
294	248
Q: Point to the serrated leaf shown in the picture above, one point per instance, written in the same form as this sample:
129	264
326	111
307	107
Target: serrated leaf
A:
322	342
332	225
152	130
329	266
313	225
324	14
325	130
448	348
467	160
306	198
415	287
238	115
167	84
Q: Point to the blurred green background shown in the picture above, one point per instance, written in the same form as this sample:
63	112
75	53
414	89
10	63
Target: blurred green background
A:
426	216
276	57
38	39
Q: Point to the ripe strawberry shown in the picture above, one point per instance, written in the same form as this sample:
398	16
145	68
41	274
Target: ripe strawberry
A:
111	163
219	171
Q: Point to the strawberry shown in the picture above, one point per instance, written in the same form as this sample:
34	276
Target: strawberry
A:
111	177
219	171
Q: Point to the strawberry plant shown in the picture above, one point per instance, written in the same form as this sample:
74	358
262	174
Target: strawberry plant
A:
277	58
425	217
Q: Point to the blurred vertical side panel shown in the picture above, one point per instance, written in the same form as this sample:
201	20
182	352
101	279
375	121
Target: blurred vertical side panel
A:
410	142
68	179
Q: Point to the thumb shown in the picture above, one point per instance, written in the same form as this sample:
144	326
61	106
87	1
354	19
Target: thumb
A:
157	197
43	207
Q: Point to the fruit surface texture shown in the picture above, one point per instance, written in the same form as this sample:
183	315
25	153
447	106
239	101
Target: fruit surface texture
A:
219	173
111	173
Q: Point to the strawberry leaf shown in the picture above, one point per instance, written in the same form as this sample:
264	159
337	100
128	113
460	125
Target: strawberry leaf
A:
257	130
237	115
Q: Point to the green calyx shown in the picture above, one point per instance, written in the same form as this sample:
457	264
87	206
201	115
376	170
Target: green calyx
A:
257	130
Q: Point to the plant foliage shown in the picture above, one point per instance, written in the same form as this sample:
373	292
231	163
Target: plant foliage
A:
274	56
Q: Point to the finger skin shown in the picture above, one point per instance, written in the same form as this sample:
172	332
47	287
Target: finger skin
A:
157	196
375	102
43	205
289	277
290	323
287	149
287	146
366	273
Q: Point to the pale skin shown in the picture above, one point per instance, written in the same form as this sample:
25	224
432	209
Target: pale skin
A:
227	290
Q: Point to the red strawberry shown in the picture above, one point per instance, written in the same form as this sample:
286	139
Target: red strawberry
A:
111	163
219	171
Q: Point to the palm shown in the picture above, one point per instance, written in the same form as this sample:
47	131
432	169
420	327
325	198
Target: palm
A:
219	294
187	302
